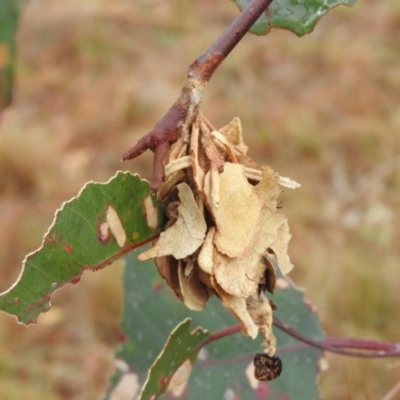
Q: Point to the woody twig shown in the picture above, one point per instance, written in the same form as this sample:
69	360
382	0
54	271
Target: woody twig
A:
184	110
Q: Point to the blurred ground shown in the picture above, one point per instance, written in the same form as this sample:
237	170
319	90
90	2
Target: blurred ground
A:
324	109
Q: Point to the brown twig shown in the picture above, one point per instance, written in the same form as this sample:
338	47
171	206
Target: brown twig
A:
184	110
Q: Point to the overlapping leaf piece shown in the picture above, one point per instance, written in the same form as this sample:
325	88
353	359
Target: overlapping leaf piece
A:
223	368
300	17
104	222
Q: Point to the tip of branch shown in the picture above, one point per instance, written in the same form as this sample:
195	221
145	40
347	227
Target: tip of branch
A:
139	148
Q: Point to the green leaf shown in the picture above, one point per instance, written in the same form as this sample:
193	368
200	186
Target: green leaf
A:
151	311
180	351
298	16
9	15
104	222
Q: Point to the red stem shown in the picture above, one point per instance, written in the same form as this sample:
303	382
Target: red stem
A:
351	343
338	345
223	333
184	110
372	349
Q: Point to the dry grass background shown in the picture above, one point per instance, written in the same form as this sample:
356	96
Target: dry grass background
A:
323	109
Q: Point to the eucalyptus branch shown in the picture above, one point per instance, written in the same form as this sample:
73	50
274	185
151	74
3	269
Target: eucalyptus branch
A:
183	111
338	345
345	346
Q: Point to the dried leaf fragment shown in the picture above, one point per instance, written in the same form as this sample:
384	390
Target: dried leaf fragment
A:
238	306
260	311
186	235
167	267
233	132
239	209
280	248
268	188
206	255
268	280
240	276
194	293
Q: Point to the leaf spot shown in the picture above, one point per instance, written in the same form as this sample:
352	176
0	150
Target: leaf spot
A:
203	354
68	248
163	380
76	279
229	394
103	232
135	236
151	212
323	364
158	287
116	226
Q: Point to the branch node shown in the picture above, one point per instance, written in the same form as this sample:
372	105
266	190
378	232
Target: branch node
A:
183	112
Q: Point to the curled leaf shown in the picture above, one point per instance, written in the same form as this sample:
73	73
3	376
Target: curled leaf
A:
193	291
167	267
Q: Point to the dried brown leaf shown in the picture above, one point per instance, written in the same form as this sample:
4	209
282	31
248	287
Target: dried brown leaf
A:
248	162
238	213
238	306
195	295
233	132
167	267
210	148
240	276
186	235
224	146
268	188
280	248
260	311
170	183
205	258
268	280
198	173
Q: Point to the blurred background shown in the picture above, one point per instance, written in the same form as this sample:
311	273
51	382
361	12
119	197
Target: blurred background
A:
94	76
